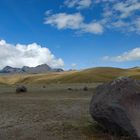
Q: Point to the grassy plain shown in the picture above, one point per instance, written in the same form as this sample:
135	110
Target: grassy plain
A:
93	75
53	112
50	113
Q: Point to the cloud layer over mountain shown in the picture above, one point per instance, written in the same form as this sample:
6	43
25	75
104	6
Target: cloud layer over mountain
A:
27	55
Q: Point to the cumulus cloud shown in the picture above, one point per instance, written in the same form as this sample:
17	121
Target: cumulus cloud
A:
126	56
73	21
26	55
79	4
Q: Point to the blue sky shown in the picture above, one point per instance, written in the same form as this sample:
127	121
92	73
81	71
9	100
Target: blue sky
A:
70	33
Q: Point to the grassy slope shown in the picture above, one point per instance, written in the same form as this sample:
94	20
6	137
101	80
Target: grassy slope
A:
100	74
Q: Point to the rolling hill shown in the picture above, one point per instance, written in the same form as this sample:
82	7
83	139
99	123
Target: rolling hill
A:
99	74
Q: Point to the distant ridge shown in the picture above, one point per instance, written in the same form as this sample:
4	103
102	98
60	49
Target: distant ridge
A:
91	75
25	69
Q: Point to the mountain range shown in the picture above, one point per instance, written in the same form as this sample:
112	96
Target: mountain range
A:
25	69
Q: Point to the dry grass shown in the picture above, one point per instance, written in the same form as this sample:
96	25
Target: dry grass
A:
51	113
100	74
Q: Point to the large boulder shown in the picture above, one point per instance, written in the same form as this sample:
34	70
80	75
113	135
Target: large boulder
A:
116	106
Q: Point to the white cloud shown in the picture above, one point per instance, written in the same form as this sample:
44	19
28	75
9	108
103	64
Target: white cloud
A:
120	23
79	4
26	55
115	15
122	15
48	12
127	56
63	20
74	21
136	25
127	7
93	27
73	65
98	1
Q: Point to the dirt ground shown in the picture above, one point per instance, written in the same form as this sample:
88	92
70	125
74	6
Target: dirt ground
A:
50	113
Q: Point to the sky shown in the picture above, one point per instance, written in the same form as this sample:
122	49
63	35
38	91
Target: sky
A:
70	34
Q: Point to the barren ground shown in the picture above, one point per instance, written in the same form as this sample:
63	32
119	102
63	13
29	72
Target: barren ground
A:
51	113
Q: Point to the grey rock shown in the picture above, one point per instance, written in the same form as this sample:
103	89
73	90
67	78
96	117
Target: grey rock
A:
116	106
69	88
85	88
20	89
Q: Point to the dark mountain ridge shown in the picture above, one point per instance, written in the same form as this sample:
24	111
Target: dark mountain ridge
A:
25	69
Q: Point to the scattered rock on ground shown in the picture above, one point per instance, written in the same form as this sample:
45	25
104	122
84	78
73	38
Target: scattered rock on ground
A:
20	89
116	106
85	88
69	88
